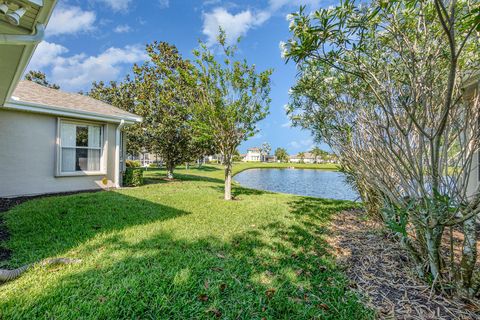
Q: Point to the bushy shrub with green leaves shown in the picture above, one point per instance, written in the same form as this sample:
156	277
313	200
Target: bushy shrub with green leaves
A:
133	177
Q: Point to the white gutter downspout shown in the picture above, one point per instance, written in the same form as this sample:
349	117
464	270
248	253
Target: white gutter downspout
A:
20	39
118	132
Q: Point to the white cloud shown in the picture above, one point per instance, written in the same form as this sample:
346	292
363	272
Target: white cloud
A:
236	25
70	20
79	71
287	124
117	5
122	28
45	53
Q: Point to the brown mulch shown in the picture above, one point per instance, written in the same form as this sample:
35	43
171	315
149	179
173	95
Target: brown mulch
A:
381	272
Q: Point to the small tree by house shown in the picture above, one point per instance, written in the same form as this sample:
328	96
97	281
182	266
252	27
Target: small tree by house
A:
233	98
281	154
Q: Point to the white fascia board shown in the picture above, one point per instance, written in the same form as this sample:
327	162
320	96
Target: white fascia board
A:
64	112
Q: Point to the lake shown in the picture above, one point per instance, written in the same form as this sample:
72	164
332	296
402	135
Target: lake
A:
305	182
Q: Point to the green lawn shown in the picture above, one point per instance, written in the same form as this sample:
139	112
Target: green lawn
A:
177	250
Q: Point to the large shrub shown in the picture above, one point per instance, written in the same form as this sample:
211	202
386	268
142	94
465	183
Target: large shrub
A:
133	177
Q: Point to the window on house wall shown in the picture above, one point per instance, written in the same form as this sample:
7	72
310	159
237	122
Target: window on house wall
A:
80	147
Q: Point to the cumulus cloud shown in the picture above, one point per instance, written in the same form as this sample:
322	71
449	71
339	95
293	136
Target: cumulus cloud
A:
78	71
235	25
70	20
45	53
238	24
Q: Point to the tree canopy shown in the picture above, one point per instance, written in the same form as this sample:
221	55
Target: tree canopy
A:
232	98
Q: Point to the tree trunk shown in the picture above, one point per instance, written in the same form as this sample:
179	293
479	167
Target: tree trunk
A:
228	180
433	238
170	171
469	251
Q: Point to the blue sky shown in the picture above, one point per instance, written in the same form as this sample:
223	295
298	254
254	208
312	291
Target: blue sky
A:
97	40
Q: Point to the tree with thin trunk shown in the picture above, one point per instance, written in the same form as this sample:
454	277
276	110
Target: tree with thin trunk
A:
233	98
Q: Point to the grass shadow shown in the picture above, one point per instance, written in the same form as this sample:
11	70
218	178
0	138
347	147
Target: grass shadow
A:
54	225
280	270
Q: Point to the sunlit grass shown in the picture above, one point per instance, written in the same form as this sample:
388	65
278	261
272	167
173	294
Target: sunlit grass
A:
177	250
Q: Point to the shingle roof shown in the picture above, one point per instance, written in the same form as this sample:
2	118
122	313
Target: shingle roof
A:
30	92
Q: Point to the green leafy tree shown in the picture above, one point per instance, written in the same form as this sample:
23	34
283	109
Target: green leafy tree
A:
233	98
281	154
165	87
40	78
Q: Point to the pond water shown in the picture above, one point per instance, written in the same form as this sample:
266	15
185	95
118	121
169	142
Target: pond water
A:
305	182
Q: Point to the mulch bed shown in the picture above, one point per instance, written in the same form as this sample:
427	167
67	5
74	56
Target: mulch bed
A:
381	272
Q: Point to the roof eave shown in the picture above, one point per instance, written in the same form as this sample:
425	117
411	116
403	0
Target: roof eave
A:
29	42
65	112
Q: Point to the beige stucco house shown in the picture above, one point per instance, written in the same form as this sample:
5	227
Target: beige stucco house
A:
50	141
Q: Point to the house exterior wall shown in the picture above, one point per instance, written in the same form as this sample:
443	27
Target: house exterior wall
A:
305	160
253	156
474	178
28	157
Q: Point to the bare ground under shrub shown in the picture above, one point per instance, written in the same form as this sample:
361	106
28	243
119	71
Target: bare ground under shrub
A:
380	270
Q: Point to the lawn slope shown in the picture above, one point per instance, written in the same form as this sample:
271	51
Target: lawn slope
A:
177	250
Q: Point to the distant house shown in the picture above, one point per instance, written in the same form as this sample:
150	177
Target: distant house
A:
308	157
146	159
51	141
253	155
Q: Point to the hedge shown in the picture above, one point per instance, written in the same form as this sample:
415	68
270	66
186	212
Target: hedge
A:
133	177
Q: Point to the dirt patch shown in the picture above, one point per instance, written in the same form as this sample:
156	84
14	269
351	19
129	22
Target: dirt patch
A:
380	270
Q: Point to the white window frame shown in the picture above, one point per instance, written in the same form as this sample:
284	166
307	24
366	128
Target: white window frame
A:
103	152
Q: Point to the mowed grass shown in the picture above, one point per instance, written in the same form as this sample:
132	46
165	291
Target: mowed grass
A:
176	250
